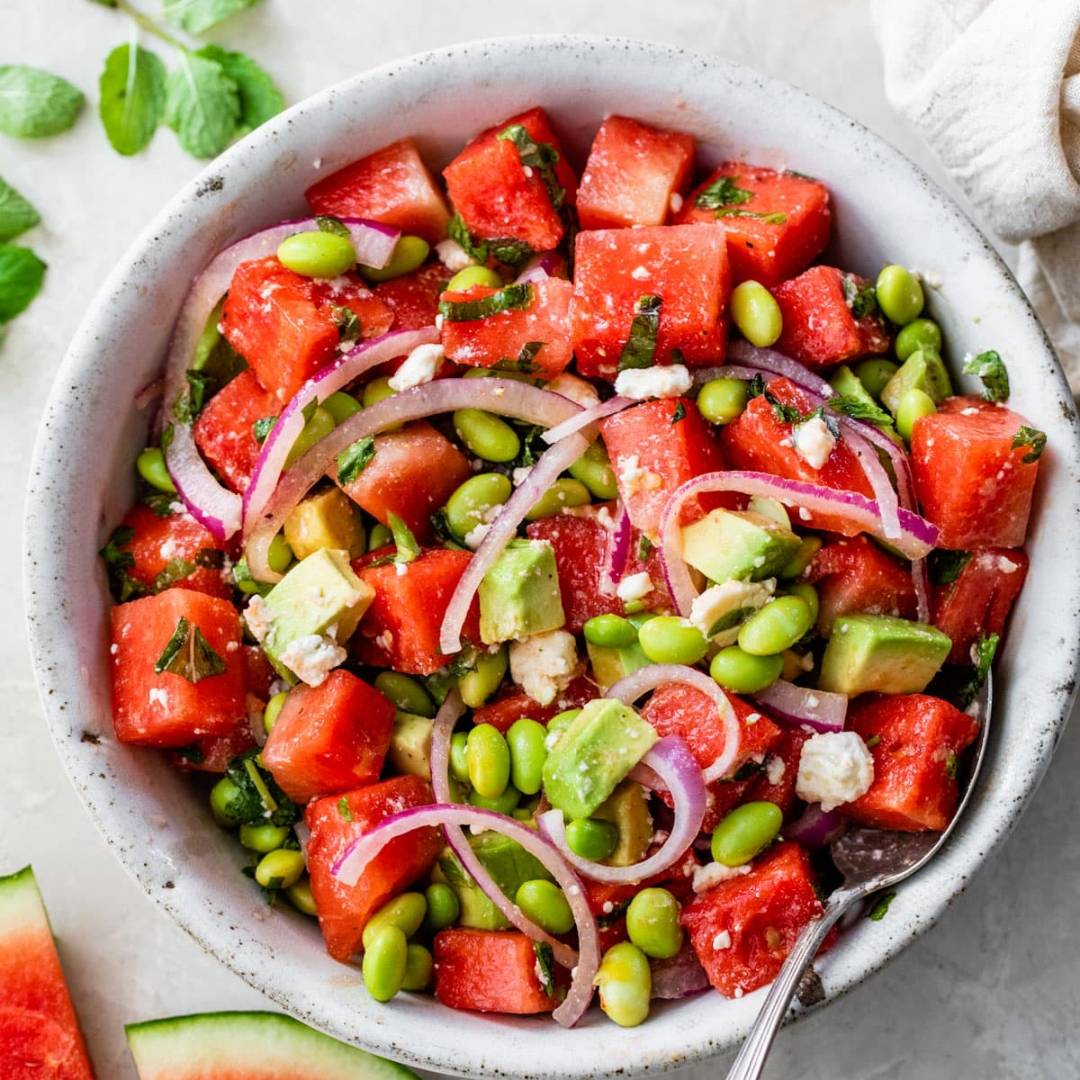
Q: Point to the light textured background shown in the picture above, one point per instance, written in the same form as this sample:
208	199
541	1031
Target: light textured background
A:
992	992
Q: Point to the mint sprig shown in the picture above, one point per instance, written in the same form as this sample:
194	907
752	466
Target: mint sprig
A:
35	103
131	102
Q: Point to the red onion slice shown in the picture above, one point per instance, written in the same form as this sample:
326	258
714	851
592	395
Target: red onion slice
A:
798	706
362	850
775	363
921	581
671	760
680	976
585	418
539	267
816	827
502	396
616	552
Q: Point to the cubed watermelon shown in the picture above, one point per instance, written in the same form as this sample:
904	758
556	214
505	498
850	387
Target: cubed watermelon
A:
776	781
973	475
509	707
258	671
686	266
213	754
329	738
916	740
632	173
489	971
414	298
392	186
335	822
196	635
776	223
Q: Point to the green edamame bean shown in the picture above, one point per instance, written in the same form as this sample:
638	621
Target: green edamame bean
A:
808	548
474	275
745	832
776	626
899	294
742	673
594	470
667	639
263	838
610	631
625	983
150	465
459	762
875	374
419	966
528	752
722	400
914	404
280	555
279	869
317	254
406	693
318	427
501	804
562	495
300	897
341	406
377	390
226	803
406	911
467	506
918	334
756	313
273	710
652	921
408	255
443	907
385	960
486	435
808	593
592	838
379	536
544	903
488	759
486	677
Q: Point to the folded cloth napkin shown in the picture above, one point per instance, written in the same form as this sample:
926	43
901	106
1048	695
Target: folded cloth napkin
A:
993	86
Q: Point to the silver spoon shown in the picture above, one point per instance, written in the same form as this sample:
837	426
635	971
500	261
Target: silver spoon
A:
869	860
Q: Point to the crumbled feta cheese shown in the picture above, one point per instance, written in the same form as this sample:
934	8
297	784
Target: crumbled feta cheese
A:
169	549
675	202
521	474
257	617
813	441
577	390
705	877
419	368
721	941
401	568
544	664
114	649
453	256
634	587
475	536
774	770
640	273
720	602
633	478
835	768
638	384
158	697
311	658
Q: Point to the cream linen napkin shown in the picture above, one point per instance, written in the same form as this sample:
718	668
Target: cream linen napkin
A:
993	86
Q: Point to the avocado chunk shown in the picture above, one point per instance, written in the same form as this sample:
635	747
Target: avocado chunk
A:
602	744
327	519
922	370
506	861
882	653
728	544
410	744
628	810
610	665
519	595
846	383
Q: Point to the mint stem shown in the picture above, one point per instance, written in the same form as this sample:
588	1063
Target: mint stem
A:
144	22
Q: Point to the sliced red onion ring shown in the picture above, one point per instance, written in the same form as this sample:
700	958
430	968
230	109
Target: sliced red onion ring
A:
680	976
616	553
816	827
671	760
150	393
303	836
921	581
367	355
539	267
362	850
585	418
648	678
798	706
775	363
502	396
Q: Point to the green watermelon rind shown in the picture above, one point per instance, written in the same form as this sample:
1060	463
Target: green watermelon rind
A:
21	903
227	1044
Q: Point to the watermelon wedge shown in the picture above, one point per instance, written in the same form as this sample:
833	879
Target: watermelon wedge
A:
39	1033
249	1046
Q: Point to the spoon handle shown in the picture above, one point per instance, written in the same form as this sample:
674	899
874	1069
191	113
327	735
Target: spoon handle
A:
751	1059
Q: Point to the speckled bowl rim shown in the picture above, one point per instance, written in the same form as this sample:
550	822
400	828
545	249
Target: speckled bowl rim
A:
419	1034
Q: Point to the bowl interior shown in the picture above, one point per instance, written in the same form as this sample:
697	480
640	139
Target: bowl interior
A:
885	210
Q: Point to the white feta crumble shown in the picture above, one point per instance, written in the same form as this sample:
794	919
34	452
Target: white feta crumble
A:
705	877
311	658
670	380
640	273
544	664
453	256
258	618
774	770
419	368
521	474
114	649
475	536
721	941
633	478
401	569
813	441
675	202
726	600
835	768
634	587
170	549
577	390
158	697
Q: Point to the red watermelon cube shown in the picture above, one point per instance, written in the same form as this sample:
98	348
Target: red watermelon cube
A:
213	754
632	173
972	482
335	822
414	298
776	781
170	709
489	971
916	740
776	222
507	708
685	265
392	186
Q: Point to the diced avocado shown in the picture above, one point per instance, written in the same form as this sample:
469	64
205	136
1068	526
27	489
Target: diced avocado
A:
410	744
602	744
610	665
628	811
728	544
519	595
846	383
770	508
882	653
922	370
325	520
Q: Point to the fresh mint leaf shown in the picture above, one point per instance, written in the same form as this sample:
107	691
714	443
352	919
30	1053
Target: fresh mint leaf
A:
16	213
189	655
258	800
21	275
344	810
858	409
262	428
525	361
407	547
991	369
132	97
35	103
507	250
640	348
947	566
202	105
775	218
353	460
190	401
514	253
508	298
861	299
722	192
545	966
786	414
679	413
173	571
982	658
1026	436
459	233
117	564
260	99
539	156
329	224
645	548
196	16
880	909
347	321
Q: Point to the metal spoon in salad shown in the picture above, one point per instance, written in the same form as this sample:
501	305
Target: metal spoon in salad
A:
869	860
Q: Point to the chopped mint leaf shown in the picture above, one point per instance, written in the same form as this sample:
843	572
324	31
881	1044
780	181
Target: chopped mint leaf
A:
260	99
991	369
192	754
191	400
21	275
189	655
755	387
407	547
982	658
539	156
545	966
202	105
343	808
161	502
173	571
640	348
196	16
1026	436
511	252
860	410
525	361
679	413
786	414
36	103
117	564
259	800
508	298
131	91
872	741
879	910
722	192
262	428
330	224
946	566
776	218
459	233
353	460
532	445
645	548
951	764
861	299
347	322
16	213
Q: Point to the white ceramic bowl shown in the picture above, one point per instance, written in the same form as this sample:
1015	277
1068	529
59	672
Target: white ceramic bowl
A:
885	210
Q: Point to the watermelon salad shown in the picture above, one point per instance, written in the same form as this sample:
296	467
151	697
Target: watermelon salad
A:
538	568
